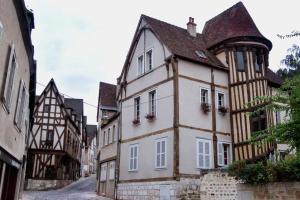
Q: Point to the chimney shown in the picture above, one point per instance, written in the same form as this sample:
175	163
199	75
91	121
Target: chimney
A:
191	27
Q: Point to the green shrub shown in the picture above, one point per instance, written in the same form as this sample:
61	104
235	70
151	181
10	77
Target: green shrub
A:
261	173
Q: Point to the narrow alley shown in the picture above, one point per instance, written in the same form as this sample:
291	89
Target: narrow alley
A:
83	189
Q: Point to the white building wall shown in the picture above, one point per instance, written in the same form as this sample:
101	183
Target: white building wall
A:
146	158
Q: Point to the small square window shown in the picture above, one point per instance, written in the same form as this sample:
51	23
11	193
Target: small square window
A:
47	108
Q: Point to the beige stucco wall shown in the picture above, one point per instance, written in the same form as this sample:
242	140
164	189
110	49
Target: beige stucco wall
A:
11	139
146	158
146	42
164	117
109	150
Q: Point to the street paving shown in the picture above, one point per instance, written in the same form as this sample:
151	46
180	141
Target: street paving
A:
83	189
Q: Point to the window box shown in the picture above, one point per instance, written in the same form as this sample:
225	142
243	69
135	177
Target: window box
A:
150	116
223	110
136	122
205	107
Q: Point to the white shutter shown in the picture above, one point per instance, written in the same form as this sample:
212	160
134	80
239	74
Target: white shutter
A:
200	154
158	154
163	153
207	154
135	157
220	154
18	108
7	96
25	109
131	158
203	153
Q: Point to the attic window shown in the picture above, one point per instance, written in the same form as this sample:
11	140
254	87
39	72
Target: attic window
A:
201	54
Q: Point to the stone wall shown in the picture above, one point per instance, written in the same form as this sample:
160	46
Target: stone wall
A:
32	184
214	185
147	190
279	190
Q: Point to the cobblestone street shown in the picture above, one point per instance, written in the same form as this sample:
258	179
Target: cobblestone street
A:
83	189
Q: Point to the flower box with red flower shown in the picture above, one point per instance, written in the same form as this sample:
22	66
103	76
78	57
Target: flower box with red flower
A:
150	116
223	109
205	107
136	121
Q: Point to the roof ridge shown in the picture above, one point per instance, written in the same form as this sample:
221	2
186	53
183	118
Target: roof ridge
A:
152	18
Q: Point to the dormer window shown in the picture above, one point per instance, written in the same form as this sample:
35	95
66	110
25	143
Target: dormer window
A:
240	65
140	65
201	54
149	59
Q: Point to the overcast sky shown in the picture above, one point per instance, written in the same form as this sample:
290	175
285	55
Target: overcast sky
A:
80	43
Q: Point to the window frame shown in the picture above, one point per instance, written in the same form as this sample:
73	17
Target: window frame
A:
103	173
229	156
7	98
150	102
146	60
133	146
112	166
224	99
160	140
203	140
110	137
208	93
256	62
137	112
237	66
47	137
21	106
138	65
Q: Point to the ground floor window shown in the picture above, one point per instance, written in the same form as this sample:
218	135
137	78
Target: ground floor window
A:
112	170
103	172
224	153
203	153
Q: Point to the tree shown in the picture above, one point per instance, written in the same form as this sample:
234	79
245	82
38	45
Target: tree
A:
291	63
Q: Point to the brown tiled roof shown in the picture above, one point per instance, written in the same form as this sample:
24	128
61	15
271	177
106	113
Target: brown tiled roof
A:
234	22
180	42
273	78
107	95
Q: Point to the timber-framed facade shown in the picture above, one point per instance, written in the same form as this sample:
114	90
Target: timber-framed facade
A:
183	99
54	151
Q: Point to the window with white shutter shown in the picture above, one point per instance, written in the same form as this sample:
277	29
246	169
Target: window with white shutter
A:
224	154
112	170
9	79
133	157
103	172
161	153
22	106
203	153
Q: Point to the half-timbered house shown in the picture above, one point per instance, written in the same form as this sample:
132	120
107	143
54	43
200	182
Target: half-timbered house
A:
183	96
54	151
17	94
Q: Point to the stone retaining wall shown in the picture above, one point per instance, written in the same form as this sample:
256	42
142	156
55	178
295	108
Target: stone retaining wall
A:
215	185
32	184
279	190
